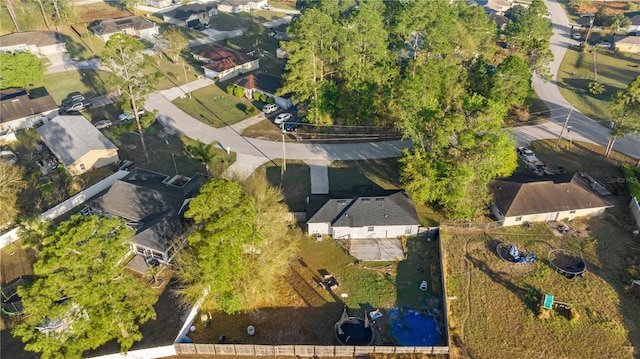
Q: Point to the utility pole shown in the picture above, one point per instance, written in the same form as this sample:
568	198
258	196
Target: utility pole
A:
284	154
591	19
564	127
184	68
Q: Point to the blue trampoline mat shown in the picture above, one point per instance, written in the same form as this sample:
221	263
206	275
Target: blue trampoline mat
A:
412	328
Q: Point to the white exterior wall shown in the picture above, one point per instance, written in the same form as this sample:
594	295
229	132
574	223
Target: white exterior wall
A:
53	49
378	232
227	74
322	228
148	33
30	121
635	210
553	216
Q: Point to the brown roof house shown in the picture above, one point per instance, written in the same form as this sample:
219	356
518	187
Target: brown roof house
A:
373	223
41	43
224	63
236	6
77	144
629	44
523	199
153	204
191	14
21	109
135	26
264	83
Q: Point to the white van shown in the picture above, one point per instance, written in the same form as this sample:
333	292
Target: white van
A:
267	109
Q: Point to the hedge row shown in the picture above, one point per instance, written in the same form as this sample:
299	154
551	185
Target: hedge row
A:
632	174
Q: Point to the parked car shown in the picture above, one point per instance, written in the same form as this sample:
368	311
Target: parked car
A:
127	117
292	125
103	124
576	35
526	154
604	44
267	7
200	26
283	117
76	106
67	102
270	108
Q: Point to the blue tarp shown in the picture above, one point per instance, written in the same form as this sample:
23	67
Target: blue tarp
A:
412	328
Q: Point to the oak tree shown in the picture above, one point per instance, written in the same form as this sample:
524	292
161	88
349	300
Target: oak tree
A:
20	69
625	111
11	183
82	296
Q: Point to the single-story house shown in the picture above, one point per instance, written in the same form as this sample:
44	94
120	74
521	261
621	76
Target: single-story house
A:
153	205
159	4
344	216
279	32
264	83
500	21
524	199
236	6
634	17
21	109
189	15
77	144
224	63
498	7
630	44
136	26
41	43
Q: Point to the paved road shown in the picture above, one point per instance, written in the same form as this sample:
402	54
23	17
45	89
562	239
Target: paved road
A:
582	127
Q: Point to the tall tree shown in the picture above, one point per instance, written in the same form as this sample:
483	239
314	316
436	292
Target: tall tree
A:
82	297
201	152
123	55
530	33
312	59
20	69
11	183
242	245
45	16
132	5
175	42
625	109
512	83
8	4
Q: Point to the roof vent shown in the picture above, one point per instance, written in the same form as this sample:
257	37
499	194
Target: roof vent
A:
366	199
342	201
380	199
385	215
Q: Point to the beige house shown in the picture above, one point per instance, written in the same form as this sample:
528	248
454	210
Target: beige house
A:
40	43
629	44
77	144
236	6
224	63
523	199
264	83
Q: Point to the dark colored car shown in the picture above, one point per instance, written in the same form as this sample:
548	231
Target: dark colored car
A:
292	125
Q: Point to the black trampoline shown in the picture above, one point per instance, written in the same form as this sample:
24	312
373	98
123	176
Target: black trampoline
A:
11	302
353	331
567	263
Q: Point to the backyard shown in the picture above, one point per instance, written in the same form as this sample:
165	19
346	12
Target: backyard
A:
494	299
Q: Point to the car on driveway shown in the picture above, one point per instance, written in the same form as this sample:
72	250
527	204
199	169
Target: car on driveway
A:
576	35
604	44
127	116
283	117
200	26
292	125
270	108
103	124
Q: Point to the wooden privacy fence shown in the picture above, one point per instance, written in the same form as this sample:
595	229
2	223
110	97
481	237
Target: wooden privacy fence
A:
300	350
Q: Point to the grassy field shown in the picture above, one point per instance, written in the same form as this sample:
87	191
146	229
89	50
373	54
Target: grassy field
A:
295	185
90	83
615	72
227	22
213	106
495	313
372	174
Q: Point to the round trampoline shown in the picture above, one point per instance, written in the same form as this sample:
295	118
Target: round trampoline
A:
353	331
567	263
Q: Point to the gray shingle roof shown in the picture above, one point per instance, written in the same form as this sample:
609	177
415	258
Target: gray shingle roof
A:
15	103
71	137
185	11
394	208
524	195
143	197
112	26
37	38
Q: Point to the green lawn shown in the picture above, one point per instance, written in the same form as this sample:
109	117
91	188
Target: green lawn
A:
90	83
214	107
576	72
369	174
295	185
227	22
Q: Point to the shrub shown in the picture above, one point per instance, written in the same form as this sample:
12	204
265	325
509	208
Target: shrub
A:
238	91
230	89
251	111
257	96
632	180
271	100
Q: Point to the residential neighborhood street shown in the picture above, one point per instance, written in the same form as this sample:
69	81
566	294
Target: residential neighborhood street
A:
582	128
